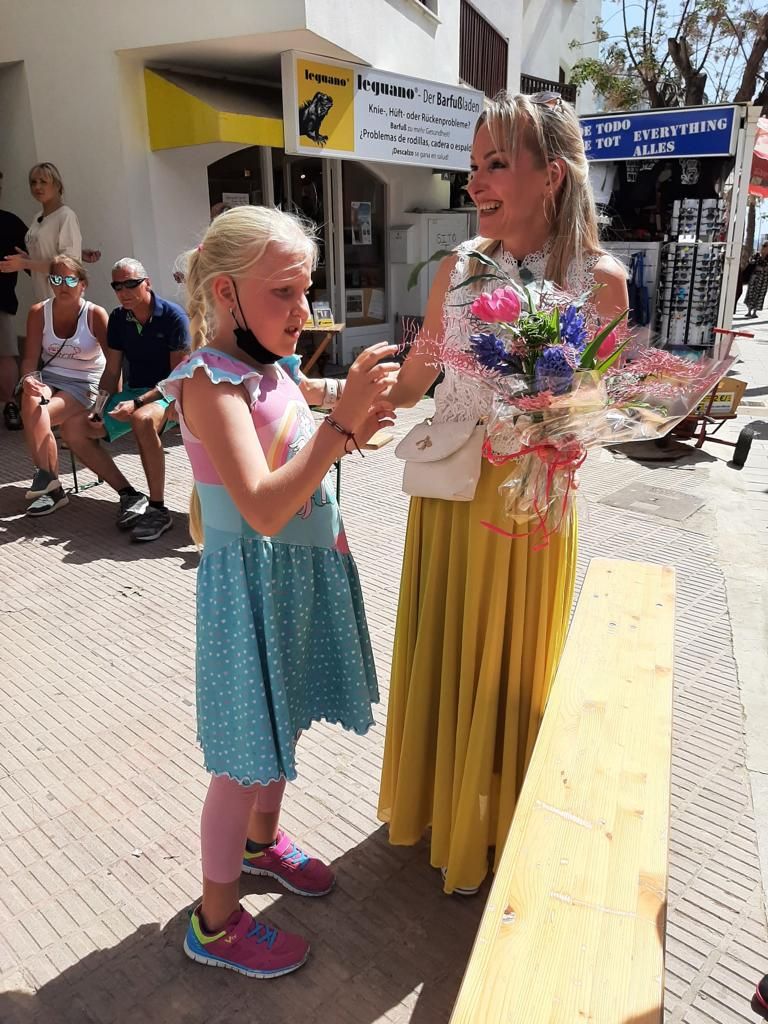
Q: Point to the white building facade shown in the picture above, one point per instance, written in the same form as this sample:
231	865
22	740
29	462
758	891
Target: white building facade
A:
156	113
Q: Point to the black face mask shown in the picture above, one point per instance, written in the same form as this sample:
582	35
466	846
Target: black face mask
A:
247	340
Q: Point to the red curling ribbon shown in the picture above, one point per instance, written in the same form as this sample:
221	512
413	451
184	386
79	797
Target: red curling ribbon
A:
565	457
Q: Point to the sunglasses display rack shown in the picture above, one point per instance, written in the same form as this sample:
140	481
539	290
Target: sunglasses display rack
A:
691	273
698	220
689	292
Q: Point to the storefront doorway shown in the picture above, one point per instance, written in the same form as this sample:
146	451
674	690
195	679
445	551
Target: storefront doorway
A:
348	203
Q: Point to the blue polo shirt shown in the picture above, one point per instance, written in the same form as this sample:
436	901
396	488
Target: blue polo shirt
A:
147	347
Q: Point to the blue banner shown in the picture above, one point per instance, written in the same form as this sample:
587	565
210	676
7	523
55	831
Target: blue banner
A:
657	134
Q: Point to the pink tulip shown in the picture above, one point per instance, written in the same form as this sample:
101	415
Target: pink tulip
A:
608	346
501	306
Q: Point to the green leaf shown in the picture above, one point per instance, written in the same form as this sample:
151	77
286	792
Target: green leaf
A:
608	362
587	361
475	277
486	261
439	255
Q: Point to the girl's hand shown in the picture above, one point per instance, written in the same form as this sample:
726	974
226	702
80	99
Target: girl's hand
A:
381	415
367	380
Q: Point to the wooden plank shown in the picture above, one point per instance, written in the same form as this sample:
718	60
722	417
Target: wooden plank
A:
574	926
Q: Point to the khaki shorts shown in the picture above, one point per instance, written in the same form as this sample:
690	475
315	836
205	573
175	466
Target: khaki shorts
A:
9	343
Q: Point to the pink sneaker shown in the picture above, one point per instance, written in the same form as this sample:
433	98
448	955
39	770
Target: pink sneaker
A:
246	946
297	871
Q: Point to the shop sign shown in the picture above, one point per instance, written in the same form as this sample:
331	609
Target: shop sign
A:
335	109
672	133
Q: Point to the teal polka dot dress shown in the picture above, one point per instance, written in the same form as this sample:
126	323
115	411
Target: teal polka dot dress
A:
282	639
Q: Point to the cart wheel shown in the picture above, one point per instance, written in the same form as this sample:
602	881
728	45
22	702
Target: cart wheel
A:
741	451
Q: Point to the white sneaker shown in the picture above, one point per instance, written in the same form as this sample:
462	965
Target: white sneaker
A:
48	503
457	891
42	483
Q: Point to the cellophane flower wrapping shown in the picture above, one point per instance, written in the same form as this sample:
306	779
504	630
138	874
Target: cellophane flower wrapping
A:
564	383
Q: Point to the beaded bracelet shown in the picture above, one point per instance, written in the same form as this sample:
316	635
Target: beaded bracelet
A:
348	434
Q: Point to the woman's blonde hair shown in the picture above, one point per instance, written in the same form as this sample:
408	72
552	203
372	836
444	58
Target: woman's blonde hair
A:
50	172
72	265
549	129
236	242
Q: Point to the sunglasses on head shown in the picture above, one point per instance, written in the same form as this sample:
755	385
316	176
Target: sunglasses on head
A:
134	282
70	280
553	100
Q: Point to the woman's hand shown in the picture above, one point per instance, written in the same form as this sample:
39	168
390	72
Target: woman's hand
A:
367	380
91	255
15	262
35	388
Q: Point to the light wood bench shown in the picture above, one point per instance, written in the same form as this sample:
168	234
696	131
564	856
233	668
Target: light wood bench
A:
573	932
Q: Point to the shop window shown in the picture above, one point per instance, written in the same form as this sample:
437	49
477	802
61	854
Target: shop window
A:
235	180
365	222
482	52
298	188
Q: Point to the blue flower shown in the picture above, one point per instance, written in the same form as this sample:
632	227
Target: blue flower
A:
554	371
573	330
491	353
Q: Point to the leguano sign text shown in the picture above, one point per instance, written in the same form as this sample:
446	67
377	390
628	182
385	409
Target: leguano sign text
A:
359	113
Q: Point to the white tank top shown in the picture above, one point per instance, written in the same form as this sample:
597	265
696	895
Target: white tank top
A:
81	356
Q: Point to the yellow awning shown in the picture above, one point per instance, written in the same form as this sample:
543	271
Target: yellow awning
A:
187	110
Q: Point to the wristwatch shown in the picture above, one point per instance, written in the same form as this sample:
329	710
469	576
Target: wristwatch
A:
137	403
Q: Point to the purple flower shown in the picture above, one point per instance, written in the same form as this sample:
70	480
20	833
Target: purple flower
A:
573	330
491	353
554	370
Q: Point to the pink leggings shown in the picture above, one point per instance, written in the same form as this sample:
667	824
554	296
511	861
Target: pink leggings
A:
224	823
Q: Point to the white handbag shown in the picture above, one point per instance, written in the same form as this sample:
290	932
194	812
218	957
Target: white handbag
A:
442	460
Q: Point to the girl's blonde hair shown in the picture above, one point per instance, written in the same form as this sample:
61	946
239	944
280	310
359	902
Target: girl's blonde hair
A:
549	129
236	242
50	172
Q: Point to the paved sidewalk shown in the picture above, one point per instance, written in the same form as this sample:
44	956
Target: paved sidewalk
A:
101	784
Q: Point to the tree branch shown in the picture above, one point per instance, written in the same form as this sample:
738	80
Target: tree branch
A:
754	63
705	58
627	39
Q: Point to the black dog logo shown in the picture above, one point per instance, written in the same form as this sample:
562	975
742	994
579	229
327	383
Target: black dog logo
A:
311	116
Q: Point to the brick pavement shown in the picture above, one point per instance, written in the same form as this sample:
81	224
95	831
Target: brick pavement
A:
101	784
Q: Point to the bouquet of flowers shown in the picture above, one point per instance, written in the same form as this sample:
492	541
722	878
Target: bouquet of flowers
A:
563	383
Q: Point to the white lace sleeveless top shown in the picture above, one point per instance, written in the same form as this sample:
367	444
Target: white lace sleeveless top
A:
456	397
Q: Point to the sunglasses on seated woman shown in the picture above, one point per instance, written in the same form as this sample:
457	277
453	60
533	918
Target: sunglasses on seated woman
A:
70	280
132	283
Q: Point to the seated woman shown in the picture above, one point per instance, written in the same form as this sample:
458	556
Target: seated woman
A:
66	338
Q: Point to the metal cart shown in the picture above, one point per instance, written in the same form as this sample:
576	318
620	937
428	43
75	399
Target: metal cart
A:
703	425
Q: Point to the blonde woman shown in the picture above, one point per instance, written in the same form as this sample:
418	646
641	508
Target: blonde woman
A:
482	618
67	336
282	637
55	231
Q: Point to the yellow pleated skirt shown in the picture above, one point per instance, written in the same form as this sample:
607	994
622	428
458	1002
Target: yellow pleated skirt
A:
481	625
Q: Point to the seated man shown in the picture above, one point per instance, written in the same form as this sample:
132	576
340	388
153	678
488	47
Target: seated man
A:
152	335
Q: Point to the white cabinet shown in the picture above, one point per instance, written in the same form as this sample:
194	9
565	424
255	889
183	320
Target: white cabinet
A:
434	232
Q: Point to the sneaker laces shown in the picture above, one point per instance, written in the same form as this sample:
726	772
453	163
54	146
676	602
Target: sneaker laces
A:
263	933
295	857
